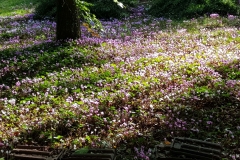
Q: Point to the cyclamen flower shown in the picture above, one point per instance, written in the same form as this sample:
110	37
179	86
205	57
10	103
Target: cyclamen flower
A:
18	83
231	17
12	101
169	21
1	144
209	122
214	15
141	154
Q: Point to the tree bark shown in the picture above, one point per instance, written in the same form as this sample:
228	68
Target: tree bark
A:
68	22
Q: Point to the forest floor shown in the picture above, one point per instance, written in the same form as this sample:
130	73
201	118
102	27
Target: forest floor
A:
141	81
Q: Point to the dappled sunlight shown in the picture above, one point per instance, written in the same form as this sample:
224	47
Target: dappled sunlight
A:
139	76
16	7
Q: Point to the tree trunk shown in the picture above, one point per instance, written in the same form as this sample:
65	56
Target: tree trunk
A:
68	22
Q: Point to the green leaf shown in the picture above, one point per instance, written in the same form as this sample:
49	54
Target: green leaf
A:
81	151
58	137
119	4
88	138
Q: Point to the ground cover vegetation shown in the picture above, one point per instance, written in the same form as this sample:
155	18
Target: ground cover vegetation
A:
103	9
16	7
180	9
177	9
140	81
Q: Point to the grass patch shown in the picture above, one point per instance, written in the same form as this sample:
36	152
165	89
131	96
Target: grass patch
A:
16	7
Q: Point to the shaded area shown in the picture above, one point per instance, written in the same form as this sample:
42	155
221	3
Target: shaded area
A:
179	9
34	62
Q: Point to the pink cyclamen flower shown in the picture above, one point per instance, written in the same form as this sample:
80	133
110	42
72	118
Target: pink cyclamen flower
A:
209	122
214	15
231	17
169	21
1	144
18	83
